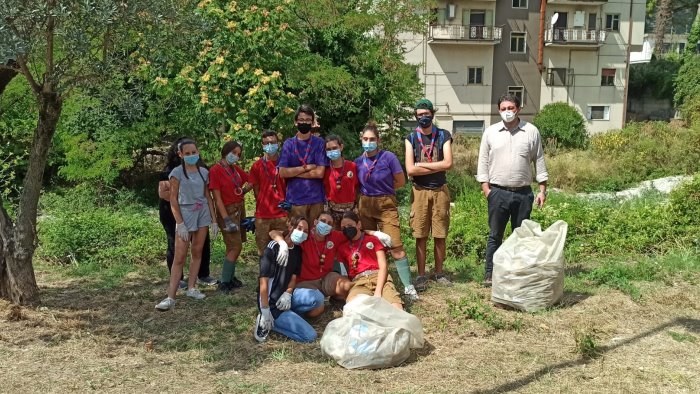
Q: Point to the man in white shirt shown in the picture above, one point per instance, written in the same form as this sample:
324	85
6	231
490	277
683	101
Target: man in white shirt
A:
508	150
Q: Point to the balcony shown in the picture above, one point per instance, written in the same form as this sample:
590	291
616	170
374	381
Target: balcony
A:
458	34
558	37
578	2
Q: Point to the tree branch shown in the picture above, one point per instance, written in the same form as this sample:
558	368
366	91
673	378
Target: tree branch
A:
28	74
50	24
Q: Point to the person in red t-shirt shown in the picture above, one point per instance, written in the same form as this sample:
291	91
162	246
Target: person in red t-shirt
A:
269	189
317	275
365	260
229	183
340	181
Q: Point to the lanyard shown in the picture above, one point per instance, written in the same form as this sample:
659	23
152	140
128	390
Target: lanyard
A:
369	168
321	254
271	176
428	153
308	149
356	252
339	175
235	178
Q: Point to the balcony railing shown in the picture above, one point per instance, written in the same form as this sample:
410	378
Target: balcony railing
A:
465	33
562	36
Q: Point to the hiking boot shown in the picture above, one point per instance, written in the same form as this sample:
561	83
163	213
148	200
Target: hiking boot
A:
260	333
225	288
410	293
235	283
195	293
421	283
208	281
442	279
487	281
166	305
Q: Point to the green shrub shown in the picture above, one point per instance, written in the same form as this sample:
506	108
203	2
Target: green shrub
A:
562	125
79	227
685	204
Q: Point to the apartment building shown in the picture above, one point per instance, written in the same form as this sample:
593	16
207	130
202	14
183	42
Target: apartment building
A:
573	51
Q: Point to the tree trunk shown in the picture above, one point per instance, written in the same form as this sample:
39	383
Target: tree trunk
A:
662	18
17	242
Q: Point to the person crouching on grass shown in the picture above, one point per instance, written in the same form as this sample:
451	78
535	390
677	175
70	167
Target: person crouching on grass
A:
229	183
193	211
365	260
276	285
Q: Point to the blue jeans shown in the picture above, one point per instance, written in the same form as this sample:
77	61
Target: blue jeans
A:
305	300
294	327
504	206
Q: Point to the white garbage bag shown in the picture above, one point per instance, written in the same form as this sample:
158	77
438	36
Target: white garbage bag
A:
528	268
372	334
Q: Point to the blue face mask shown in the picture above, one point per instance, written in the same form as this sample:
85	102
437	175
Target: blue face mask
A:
270	149
323	228
298	236
191	160
425	121
333	154
369	146
231	158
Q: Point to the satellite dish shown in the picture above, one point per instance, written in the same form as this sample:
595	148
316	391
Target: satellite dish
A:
555	18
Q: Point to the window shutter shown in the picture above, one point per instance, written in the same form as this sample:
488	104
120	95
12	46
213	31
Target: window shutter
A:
606	114
589	114
465	17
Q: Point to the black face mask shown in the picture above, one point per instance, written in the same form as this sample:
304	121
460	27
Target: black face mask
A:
350	232
304	128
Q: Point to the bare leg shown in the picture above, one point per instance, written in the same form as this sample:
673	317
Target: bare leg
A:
181	248
198	238
439	253
421	246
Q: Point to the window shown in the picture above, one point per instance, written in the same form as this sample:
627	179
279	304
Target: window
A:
475	76
599	112
592	25
519	3
438	16
468	126
612	22
409	125
607	77
557	77
517	42
519	92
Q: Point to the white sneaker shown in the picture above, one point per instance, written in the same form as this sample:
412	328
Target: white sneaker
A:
410	293
166	305
195	293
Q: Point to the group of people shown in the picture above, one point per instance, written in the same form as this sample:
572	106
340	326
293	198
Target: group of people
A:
324	225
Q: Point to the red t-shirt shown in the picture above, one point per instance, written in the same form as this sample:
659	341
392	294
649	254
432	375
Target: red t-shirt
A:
347	175
311	251
229	181
367	247
264	174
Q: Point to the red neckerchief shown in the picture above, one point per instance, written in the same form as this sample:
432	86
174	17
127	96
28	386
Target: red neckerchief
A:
370	168
321	254
235	177
308	149
356	253
428	153
271	177
338	174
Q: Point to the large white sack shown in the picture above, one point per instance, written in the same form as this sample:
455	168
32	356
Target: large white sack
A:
372	334
528	268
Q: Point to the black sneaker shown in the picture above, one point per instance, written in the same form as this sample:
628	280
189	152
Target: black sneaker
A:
442	279
225	287
235	283
421	283
260	333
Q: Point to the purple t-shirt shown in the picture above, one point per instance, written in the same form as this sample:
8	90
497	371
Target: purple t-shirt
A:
301	191
380	181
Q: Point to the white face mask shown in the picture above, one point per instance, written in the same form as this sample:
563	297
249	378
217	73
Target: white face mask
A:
508	116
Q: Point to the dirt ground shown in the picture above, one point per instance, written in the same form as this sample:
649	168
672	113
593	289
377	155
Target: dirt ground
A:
83	338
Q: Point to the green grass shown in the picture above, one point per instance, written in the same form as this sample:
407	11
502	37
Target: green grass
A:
682	337
474	308
586	344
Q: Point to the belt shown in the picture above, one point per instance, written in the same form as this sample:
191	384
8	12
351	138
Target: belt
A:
510	188
364	273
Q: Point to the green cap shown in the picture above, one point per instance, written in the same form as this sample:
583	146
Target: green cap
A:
424	104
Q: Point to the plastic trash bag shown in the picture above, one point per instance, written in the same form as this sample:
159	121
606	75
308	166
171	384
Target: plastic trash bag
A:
528	268
372	334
